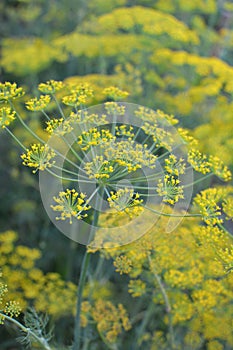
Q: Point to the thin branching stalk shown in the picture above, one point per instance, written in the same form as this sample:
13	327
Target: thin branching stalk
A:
172	215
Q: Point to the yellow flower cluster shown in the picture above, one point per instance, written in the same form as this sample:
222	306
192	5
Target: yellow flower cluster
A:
79	95
115	93
71	204
150	115
111	320
191	271
150	22
99	168
94	137
170	189
6	116
58	127
136	287
29	55
219	169
199	161
206	7
83	117
125	130
184	279
114	108
10	91
123	264
48	293
128	153
51	87
174	166
214	345
204	299
126	201
10	308
208	202
38	157
227	206
183	309
203	164
38	104
186	138
160	136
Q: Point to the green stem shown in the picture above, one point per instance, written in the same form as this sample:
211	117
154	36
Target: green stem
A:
25	125
146	318
199	180
172	215
167	303
77	326
225	230
42	341
67	178
16	139
84	268
58	106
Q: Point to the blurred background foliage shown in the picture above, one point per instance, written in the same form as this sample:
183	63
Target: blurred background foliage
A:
174	55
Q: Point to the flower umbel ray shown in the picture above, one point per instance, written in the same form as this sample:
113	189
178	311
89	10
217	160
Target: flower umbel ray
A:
39	157
71	204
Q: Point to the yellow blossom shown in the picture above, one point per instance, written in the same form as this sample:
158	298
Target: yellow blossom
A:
38	104
71	204
38	157
6	116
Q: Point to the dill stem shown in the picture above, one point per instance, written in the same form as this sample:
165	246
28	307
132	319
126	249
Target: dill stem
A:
82	279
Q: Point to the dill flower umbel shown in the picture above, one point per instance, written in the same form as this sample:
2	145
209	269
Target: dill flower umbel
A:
38	104
126	201
83	116
71	204
123	264
170	189
114	108
99	168
199	161
115	93
208	202
10	91
51	86
219	169
11	307
111	320
228	208
174	166
137	288
94	137
6	116
79	95
39	157
125	130
58	127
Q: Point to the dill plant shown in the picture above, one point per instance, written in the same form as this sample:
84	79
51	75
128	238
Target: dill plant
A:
126	169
